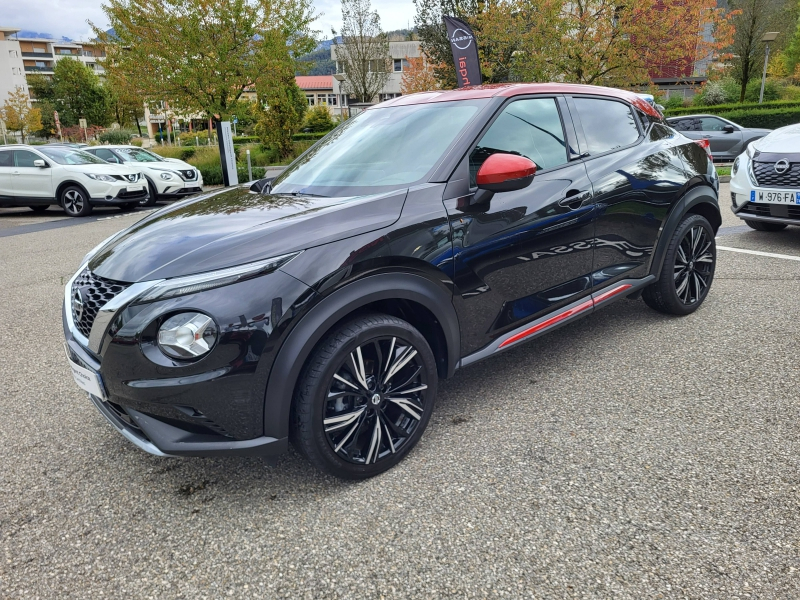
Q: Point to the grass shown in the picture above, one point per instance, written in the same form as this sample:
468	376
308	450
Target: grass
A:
723	171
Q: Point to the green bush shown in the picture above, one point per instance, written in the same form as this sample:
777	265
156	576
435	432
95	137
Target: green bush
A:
116	136
318	119
767	119
673	102
309	136
137	142
245	139
771	91
724	108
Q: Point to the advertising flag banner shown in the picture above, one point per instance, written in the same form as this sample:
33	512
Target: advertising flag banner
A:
227	154
465	52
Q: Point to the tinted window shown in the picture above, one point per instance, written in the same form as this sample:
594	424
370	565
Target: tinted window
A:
106	155
529	128
711	124
6	159
68	156
607	124
25	158
138	155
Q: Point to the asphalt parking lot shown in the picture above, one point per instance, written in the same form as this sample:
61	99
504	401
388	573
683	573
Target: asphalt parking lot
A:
628	455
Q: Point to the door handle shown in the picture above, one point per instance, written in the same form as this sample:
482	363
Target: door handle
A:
574	199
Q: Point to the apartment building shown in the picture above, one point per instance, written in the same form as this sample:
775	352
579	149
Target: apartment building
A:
399	52
12	67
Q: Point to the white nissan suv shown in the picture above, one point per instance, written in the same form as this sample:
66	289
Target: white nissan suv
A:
765	181
38	176
167	178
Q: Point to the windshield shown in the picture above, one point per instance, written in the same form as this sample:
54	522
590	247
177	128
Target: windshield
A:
138	155
379	150
70	156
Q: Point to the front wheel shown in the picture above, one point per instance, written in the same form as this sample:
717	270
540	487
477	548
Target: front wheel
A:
152	199
688	269
75	201
762	226
365	397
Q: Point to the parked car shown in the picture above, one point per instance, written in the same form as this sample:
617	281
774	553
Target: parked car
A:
765	181
76	145
167	178
726	139
40	176
427	233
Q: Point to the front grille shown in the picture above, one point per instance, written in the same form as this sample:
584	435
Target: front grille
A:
782	211
94	292
129	178
189	174
767	177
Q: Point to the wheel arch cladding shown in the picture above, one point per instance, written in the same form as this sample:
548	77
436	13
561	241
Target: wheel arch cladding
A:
700	200
64	185
426	305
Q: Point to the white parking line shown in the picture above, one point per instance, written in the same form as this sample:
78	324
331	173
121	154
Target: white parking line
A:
757	253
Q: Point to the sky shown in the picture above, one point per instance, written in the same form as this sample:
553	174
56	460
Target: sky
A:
68	17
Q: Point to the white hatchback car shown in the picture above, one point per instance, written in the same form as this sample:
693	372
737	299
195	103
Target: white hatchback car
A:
765	181
38	176
167	178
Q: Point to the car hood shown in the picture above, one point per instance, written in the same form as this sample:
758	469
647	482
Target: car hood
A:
170	164
785	139
236	226
104	169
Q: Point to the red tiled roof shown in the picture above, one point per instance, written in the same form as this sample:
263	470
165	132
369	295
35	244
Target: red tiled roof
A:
315	82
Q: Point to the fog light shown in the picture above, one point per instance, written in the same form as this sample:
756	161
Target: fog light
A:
187	335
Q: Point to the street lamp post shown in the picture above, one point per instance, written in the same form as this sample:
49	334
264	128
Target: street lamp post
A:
768	37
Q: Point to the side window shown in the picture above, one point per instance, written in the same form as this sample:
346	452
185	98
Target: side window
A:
6	159
106	155
682	125
24	158
607	124
530	128
711	124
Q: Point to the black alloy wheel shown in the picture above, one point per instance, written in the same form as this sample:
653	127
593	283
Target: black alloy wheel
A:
365	397
688	269
75	201
764	226
152	198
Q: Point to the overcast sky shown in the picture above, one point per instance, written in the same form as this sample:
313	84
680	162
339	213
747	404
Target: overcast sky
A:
68	17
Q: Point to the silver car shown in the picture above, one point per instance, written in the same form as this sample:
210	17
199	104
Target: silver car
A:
727	139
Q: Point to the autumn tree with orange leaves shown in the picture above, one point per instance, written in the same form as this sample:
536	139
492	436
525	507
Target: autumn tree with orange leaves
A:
418	76
601	42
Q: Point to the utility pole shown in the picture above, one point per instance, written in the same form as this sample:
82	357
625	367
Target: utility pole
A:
768	37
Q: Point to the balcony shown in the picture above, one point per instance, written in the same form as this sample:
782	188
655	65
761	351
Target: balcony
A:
38	69
38	55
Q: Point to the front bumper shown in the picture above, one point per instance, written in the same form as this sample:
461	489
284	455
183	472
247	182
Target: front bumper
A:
194	414
174	192
745	196
178	186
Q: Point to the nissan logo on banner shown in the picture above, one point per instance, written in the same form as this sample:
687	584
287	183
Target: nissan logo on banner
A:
465	52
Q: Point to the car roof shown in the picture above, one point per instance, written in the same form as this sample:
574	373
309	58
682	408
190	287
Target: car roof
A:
508	90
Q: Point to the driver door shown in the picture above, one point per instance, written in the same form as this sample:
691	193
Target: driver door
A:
528	252
721	141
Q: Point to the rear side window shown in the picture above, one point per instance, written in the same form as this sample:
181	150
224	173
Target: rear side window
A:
23	158
6	159
530	128
607	124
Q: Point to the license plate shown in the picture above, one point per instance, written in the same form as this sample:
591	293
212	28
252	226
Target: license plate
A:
87	380
777	197
135	188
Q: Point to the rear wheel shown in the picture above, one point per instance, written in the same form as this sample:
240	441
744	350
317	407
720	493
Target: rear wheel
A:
762	226
75	201
39	208
688	269
365	397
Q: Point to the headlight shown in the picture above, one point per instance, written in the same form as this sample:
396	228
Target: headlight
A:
100	177
166	176
187	335
735	166
191	284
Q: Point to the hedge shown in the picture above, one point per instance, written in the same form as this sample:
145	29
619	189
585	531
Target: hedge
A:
212	175
297	137
718	109
766	119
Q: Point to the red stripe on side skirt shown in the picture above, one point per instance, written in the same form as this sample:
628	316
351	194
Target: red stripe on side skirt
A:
565	315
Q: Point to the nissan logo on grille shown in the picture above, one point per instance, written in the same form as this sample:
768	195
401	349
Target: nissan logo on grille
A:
77	305
782	166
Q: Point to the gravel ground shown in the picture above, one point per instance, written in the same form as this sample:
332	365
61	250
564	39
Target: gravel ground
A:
629	455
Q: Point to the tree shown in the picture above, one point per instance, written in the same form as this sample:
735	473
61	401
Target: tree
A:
18	115
418	76
363	52
609	42
752	19
791	54
75	92
283	114
126	105
200	55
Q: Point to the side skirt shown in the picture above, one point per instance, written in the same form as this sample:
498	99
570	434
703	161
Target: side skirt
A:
564	315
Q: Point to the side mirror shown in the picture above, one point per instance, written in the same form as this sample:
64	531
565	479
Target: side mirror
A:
728	129
39	163
502	173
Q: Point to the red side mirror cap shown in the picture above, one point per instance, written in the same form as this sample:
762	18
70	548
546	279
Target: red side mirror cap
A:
505	173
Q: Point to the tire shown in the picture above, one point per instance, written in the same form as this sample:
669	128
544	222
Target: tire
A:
152	199
39	208
343	420
762	226
688	270
75	201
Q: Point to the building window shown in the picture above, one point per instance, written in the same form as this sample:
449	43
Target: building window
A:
344	99
12	53
331	99
400	64
65	51
87	53
40	64
38	50
310	99
384	97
